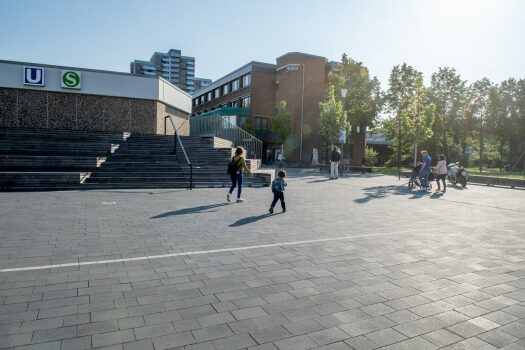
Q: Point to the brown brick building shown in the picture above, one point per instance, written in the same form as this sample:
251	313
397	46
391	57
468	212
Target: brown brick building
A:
297	78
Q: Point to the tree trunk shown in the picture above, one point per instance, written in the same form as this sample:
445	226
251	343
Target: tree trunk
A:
481	148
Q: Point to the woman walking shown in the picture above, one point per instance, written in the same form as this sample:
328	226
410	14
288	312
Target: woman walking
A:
441	172
236	178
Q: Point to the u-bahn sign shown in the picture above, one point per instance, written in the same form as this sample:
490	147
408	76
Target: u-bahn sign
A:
71	79
34	76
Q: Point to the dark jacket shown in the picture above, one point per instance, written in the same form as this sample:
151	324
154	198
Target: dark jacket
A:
335	156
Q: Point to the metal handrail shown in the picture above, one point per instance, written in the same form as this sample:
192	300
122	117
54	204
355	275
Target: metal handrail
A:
177	140
220	126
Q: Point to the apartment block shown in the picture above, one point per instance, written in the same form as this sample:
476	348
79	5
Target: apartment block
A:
172	66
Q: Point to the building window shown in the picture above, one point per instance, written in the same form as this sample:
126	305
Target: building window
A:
209	96
225	89
246	80
261	123
202	99
217	93
196	102
246	101
235	85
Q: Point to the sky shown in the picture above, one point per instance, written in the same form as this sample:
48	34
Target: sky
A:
480	38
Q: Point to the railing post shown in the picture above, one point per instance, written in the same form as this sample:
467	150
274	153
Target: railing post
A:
175	142
191	176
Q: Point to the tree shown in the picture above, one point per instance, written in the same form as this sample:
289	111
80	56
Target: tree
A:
282	125
363	99
479	106
370	156
415	121
447	92
331	118
402	87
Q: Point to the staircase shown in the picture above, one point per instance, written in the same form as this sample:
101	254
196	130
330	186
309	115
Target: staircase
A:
144	161
52	159
148	161
210	156
59	159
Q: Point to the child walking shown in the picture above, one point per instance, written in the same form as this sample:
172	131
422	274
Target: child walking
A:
278	186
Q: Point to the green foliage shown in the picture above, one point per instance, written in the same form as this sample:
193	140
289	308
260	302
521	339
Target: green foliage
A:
331	118
363	98
248	127
370	156
447	93
282	123
407	98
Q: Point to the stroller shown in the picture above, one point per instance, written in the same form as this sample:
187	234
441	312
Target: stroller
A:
414	180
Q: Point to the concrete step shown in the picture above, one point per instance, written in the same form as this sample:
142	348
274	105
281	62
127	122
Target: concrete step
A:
33	179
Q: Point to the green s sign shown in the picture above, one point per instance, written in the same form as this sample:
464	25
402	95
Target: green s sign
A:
71	79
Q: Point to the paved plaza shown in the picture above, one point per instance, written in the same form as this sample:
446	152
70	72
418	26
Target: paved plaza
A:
358	263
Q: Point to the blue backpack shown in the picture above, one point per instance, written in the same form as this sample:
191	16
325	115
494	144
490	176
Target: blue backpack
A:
276	185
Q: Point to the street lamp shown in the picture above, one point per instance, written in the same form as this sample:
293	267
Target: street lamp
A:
295	67
342	136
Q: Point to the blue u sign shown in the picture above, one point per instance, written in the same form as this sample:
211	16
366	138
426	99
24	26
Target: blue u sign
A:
34	76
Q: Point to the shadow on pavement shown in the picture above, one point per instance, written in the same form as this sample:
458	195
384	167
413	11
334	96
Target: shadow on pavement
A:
251	219
378	192
200	209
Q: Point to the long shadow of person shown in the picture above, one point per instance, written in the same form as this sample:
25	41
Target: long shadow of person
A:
251	219
199	209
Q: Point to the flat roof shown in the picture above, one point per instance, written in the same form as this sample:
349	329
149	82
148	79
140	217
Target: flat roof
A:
302	54
235	74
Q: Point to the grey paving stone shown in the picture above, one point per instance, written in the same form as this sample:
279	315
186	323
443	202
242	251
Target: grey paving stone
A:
247	313
78	343
303	326
173	341
145	344
442	337
422	326
361	343
234	342
355	329
497	338
54	345
153	331
295	343
215	319
97	327
327	336
475	343
111	338
385	337
410	344
47	335
270	334
131	322
211	333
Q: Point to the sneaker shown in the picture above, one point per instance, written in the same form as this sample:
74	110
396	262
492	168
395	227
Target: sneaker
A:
228	198
240	200
271	210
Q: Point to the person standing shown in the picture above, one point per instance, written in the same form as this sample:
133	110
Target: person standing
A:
278	187
335	157
441	168
425	169
236	179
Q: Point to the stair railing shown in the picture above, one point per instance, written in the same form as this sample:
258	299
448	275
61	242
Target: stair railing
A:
220	126
177	141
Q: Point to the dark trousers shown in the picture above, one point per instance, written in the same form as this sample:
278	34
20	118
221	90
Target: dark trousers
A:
276	196
441	177
236	181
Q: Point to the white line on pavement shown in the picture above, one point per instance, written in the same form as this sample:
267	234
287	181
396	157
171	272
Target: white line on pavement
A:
150	257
